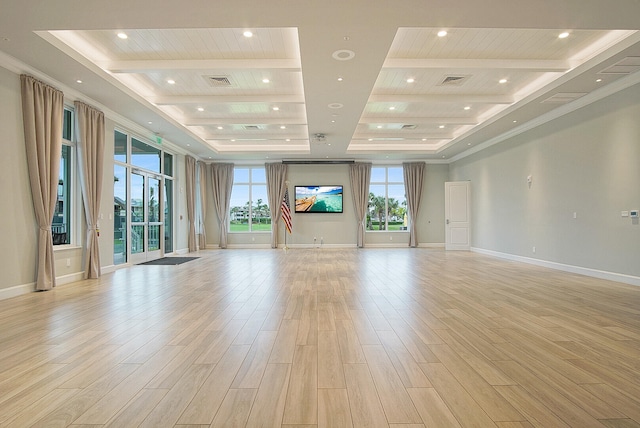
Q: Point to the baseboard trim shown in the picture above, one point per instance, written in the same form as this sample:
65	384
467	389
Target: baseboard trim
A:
431	244
595	273
19	290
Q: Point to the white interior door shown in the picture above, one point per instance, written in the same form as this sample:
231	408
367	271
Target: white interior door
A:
457	213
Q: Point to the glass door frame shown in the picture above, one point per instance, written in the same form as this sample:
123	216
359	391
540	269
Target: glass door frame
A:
156	222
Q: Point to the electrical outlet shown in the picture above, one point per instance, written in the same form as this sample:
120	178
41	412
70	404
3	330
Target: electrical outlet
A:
68	262
391	238
533	249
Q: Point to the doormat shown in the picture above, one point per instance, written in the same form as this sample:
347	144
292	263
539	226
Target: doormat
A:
170	261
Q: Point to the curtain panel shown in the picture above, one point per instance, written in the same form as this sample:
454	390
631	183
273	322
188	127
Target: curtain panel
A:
42	110
190	166
276	184
360	178
222	184
90	148
413	179
202	178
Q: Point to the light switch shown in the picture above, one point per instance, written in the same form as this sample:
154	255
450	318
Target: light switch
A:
625	213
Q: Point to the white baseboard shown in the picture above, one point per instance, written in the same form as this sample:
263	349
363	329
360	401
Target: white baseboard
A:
431	244
595	273
181	251
18	290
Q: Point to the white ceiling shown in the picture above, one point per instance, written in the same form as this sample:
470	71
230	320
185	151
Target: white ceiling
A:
304	47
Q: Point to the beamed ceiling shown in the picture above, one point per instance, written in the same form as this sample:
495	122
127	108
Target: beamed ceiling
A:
371	80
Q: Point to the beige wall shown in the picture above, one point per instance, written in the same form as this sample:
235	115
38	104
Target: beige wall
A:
588	163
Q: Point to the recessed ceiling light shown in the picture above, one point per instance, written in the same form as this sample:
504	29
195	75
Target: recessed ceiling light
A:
200	109
442	156
424	139
563	35
171	81
149	122
336	105
442	33
265	80
78	81
515	121
123	36
328	144
370	139
502	81
219	127
468	144
233	141
333	121
410	80
467	108
441	126
392	108
598	80
209	157
379	126
340	79
275	108
288	139
283	127
188	145
247	34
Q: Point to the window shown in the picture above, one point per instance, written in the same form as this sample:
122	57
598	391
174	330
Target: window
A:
387	201
249	208
61	226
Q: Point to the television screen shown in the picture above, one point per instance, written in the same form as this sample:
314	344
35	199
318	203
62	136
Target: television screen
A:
318	199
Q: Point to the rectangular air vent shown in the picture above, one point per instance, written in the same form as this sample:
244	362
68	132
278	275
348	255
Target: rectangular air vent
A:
409	127
252	127
563	97
218	81
452	80
628	65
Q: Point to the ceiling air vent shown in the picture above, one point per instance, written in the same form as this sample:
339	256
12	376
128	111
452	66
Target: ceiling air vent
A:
218	81
563	97
456	80
628	65
408	127
252	127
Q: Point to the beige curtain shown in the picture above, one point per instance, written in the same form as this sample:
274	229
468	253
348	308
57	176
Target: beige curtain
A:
413	178
360	177
276	184
222	184
42	110
202	178
90	141
190	166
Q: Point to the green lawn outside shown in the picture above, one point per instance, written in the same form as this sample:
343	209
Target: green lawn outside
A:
244	227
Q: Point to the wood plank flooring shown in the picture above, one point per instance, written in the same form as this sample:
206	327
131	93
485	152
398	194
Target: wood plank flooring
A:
324	338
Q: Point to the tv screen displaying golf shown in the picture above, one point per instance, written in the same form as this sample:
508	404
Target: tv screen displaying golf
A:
318	199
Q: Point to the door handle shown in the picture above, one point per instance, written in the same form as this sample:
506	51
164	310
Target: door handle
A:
447	221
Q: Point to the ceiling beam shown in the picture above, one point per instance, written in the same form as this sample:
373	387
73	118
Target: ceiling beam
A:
209	65
418	120
485	64
221	99
442	98
248	121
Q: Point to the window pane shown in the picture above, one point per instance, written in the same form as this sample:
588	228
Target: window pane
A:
260	213
154	200
241	175
395	175
62	215
67	125
258	175
119	214
376	216
378	175
239	208
168	164
145	156
168	216
120	147
137	198
137	239
397	205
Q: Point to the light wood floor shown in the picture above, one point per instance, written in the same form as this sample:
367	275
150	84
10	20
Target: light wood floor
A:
324	338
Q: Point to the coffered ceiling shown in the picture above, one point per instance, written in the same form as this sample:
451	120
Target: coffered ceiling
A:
326	80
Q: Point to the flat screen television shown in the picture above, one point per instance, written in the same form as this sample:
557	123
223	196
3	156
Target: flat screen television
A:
318	199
